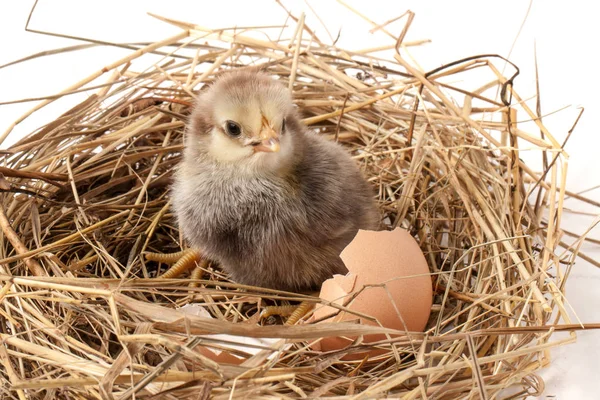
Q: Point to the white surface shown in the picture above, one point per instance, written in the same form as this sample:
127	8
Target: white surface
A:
565	34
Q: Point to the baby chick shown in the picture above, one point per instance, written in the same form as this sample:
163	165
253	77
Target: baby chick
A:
272	202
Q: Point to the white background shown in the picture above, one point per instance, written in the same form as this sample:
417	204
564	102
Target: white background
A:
565	34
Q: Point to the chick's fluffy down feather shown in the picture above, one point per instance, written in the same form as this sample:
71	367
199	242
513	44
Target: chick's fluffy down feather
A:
279	224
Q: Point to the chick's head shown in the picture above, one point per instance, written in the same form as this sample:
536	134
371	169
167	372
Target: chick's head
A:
244	119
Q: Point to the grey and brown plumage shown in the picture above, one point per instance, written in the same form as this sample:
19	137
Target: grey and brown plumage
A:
272	202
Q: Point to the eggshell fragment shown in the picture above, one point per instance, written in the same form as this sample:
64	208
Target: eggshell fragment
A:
212	353
221	357
388	280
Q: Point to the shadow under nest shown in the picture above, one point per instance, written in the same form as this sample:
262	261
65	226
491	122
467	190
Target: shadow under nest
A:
92	196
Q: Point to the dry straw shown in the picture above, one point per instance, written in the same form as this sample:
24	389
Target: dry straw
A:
84	316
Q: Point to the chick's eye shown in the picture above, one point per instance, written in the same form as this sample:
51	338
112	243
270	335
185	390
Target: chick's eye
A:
232	128
283	126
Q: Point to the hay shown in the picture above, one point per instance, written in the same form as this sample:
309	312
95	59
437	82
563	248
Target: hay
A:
84	316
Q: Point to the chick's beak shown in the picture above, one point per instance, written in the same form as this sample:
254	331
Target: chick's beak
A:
269	145
269	140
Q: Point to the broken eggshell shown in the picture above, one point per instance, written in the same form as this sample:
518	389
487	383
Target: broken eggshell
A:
397	288
231	345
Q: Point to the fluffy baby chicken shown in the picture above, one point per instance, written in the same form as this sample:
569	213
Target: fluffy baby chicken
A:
273	203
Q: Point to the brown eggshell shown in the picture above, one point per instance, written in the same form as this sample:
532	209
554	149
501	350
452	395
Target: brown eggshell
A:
220	356
392	258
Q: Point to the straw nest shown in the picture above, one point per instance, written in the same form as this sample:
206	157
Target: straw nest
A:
84	316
